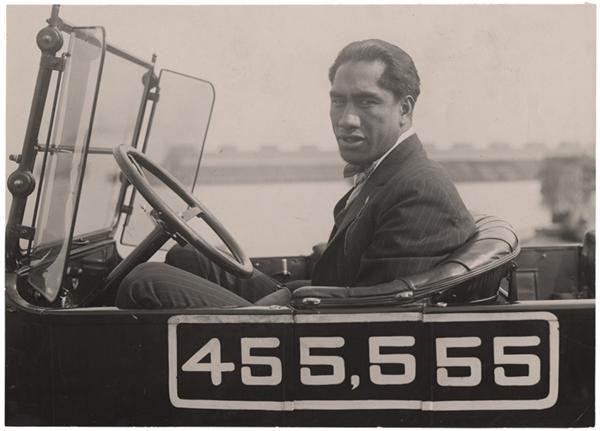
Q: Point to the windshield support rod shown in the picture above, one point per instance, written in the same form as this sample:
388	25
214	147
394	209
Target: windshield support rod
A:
49	41
67	28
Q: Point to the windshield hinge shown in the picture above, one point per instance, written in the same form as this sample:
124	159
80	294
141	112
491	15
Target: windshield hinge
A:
25	232
153	96
54	63
127	209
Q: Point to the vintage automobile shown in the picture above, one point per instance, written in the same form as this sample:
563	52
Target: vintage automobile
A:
496	335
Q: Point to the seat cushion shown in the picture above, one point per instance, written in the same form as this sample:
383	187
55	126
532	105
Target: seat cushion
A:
472	273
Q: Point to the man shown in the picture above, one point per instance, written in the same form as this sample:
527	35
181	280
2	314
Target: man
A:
402	216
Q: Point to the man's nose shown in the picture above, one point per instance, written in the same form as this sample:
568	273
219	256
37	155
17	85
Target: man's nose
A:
349	118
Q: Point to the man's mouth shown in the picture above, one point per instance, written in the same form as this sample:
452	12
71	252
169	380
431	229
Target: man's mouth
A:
350	141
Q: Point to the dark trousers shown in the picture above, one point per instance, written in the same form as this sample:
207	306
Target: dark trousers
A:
190	280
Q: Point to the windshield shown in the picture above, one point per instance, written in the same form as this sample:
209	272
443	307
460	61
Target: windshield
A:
122	90
176	140
66	158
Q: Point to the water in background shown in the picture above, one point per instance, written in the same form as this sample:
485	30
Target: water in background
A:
270	219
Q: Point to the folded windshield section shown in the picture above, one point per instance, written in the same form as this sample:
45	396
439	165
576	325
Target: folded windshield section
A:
66	159
175	140
122	94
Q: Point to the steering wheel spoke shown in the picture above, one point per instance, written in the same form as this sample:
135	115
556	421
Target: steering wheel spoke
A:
190	213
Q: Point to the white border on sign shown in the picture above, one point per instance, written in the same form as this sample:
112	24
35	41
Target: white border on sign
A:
463	405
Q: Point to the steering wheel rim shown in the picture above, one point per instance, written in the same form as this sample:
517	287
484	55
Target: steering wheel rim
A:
129	158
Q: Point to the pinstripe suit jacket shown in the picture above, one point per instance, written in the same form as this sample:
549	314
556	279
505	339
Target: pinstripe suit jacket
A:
407	217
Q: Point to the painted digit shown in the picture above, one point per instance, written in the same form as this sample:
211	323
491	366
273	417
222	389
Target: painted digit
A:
338	372
215	367
474	364
274	363
376	357
501	358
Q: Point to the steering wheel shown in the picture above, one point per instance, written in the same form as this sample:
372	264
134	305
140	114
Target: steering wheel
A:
171	224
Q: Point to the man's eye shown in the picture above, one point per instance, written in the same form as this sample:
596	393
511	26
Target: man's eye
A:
337	102
367	102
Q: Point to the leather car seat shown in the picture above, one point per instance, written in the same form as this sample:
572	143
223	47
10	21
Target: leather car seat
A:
471	274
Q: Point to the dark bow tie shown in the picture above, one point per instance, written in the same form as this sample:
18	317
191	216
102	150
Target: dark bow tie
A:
359	172
350	170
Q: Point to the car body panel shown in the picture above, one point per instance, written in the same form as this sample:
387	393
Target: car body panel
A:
133	364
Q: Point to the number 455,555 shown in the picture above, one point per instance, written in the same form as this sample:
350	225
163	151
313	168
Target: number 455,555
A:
337	369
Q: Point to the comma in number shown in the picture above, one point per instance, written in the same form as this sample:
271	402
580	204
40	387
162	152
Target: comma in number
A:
355	381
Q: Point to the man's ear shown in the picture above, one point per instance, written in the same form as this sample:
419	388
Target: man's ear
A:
407	105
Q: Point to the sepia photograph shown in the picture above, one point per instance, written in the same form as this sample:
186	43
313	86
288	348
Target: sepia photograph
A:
300	215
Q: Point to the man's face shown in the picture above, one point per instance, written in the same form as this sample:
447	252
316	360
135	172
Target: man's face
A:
366	118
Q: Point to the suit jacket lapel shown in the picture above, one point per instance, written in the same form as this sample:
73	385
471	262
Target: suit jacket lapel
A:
338	214
348	214
406	150
340	207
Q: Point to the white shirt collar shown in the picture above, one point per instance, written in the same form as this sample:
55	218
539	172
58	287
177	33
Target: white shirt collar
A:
409	132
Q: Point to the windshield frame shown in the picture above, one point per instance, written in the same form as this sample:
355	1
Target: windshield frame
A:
48	88
150	82
40	273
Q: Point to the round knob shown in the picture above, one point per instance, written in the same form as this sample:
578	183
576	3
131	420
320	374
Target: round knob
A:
49	39
21	183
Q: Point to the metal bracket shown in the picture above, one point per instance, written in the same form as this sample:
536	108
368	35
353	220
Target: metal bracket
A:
127	209
158	221
153	96
513	291
180	240
15	158
25	232
53	63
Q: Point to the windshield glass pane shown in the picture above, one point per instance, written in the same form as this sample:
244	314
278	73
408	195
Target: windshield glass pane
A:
66	160
121	92
176	140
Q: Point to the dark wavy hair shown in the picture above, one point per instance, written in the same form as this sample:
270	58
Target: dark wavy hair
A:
400	75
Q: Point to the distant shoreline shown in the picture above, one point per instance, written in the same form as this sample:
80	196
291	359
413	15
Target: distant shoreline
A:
463	163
